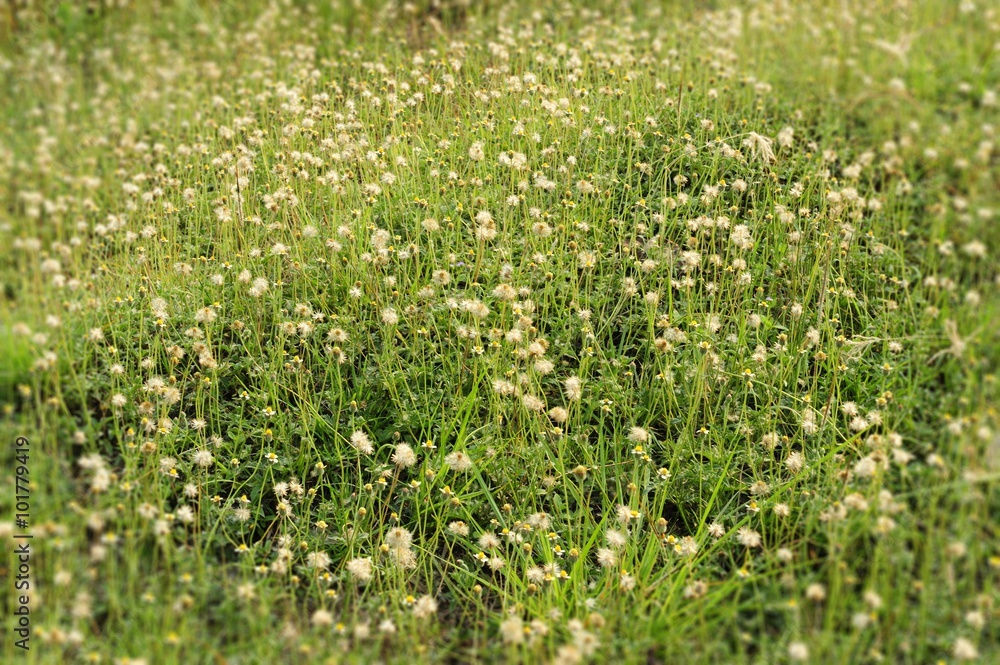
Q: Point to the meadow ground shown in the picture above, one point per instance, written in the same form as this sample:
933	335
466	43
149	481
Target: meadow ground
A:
527	332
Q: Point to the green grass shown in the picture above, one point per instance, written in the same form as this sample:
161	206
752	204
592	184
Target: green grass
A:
703	330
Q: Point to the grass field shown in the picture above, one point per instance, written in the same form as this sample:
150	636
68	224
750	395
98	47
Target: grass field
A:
355	332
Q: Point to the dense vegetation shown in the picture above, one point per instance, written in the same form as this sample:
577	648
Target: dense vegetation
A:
356	332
